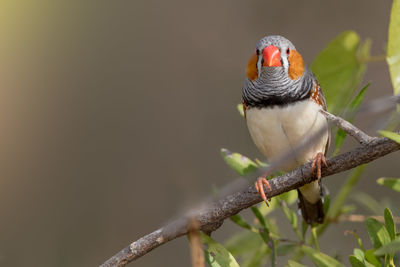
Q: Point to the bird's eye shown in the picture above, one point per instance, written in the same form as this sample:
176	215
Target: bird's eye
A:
287	51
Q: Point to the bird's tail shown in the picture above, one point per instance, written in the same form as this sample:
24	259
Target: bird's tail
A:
311	212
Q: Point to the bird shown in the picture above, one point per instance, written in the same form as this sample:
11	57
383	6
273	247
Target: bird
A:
281	102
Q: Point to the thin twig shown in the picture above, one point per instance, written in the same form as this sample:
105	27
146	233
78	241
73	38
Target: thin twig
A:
349	128
362	218
212	216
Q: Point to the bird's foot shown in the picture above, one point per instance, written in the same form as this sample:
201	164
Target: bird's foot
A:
261	181
317	165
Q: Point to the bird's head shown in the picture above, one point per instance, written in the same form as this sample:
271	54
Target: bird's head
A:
275	51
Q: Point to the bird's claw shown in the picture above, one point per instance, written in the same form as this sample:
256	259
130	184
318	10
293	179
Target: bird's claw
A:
259	184
317	164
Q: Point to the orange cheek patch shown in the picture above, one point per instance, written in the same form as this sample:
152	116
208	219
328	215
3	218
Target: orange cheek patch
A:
251	70
296	65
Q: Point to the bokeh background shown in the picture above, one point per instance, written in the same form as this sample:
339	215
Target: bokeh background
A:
113	114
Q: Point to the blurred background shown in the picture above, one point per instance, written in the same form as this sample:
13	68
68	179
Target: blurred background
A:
113	114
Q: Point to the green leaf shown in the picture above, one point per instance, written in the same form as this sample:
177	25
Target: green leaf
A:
295	264
388	248
240	108
359	254
271	225
389	223
393	183
371	258
358	258
261	164
339	139
264	231
244	242
355	262
319	258
393	50
239	163
351	110
377	233
265	210
356	102
289	197
327	203
216	254
257	258
240	221
273	252
285	249
258	215
290	215
315	237
340	67
391	135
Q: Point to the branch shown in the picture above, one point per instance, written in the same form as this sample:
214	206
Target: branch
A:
349	128
363	218
212	216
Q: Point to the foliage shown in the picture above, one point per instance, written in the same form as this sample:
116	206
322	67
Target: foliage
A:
393	183
339	68
394	136
216	254
393	50
351	113
239	163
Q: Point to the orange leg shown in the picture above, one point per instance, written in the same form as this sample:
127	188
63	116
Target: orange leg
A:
261	181
317	164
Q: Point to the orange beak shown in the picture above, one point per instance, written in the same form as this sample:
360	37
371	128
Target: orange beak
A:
272	57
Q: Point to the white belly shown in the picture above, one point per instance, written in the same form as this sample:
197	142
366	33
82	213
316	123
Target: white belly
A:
280	129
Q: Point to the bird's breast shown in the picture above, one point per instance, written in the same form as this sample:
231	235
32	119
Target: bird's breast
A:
278	129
